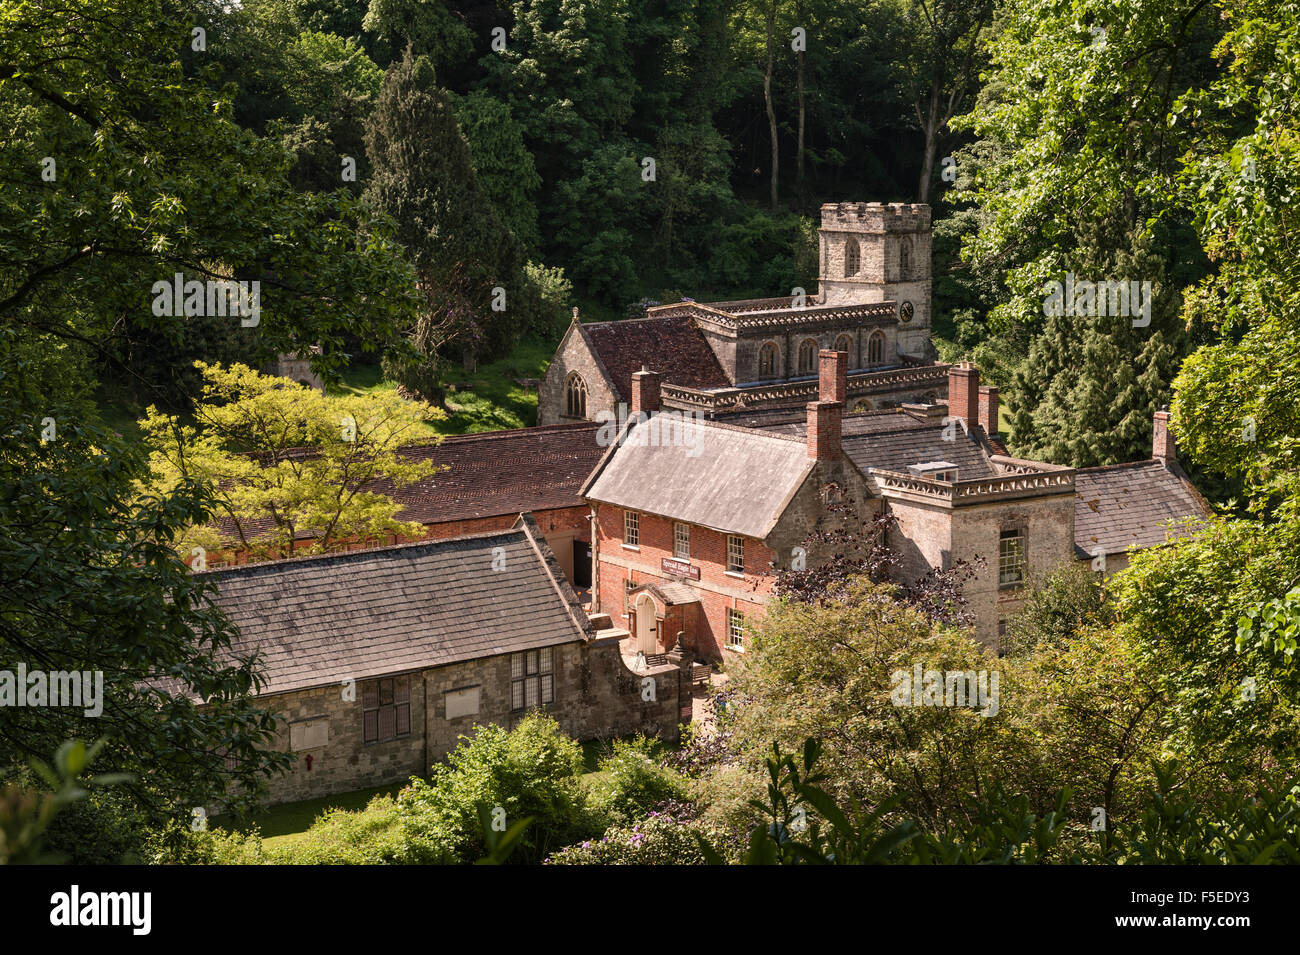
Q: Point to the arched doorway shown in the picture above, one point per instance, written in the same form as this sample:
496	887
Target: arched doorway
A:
646	628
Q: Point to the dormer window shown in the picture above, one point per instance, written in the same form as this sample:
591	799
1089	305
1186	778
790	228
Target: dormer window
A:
936	471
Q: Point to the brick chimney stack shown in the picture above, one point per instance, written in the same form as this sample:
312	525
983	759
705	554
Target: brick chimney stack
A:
1162	441
832	375
963	392
989	409
825	419
645	391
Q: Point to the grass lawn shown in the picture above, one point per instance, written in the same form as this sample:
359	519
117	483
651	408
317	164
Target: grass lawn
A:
288	821
486	399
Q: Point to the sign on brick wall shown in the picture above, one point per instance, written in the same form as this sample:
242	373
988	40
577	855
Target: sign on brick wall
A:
682	568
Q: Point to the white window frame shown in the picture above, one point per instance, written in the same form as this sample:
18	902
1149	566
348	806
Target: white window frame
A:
1016	561
681	541
631	529
736	555
735	630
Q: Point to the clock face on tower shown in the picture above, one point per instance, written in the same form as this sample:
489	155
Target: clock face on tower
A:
906	311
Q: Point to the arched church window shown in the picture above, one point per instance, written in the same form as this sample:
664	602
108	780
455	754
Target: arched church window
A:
808	357
767	360
905	259
575	397
876	348
845	344
852	258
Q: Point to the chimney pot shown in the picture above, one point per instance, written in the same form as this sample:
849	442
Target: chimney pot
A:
832	375
645	392
825	419
1162	439
963	392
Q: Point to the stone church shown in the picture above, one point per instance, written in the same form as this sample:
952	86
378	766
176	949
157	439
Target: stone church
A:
872	303
801	407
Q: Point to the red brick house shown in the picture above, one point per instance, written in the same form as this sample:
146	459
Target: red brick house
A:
486	480
683	547
687	532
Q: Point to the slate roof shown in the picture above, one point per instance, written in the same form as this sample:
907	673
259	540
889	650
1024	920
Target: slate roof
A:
896	440
359	615
671	346
734	480
674	593
1129	505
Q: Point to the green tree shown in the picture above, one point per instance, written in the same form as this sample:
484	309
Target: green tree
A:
282	455
424	179
90	582
126	170
427	26
942	43
502	163
1080	102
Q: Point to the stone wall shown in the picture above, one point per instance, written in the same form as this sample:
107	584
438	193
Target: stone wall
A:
297	368
932	535
573	355
1049	542
881	232
748	345
596	696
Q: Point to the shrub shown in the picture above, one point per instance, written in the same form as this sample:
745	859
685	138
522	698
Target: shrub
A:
373	836
529	772
657	840
632	781
546	297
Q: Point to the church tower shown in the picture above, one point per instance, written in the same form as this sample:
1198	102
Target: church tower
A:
873	252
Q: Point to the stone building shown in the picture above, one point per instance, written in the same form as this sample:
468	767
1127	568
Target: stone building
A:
687	532
1121	508
297	368
377	661
873	304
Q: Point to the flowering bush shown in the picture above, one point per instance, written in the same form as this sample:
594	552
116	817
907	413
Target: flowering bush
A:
657	840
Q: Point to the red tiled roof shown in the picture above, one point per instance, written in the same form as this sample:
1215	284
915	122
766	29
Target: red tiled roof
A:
500	472
671	346
488	474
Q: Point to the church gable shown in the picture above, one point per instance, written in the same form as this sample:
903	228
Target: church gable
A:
577	384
